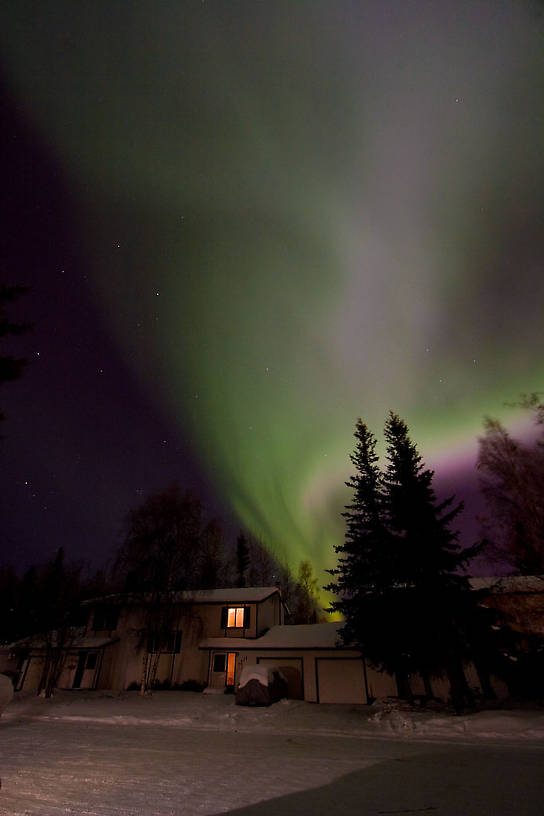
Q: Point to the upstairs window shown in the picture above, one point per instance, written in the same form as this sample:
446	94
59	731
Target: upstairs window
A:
105	618
169	643
235	617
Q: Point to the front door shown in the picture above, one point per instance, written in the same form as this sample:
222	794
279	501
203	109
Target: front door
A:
223	670
78	676
230	675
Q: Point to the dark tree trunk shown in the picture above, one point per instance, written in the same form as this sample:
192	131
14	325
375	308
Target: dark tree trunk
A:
485	681
427	684
45	671
403	685
55	669
461	695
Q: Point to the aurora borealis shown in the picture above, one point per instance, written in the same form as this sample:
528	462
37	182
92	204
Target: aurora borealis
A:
298	213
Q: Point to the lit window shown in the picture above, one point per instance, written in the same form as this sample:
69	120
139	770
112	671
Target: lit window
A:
231	669
235	617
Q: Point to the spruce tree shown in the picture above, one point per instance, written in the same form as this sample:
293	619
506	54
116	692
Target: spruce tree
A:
433	597
398	587
362	580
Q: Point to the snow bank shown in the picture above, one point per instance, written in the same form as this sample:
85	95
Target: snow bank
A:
386	718
390	716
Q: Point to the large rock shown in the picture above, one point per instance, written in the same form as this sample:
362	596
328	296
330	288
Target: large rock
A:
6	692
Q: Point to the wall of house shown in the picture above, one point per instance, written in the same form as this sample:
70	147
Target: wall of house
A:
270	613
210	616
106	667
32	673
66	677
122	662
192	663
128	667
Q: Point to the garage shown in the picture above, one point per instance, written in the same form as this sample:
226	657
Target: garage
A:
316	664
340	680
291	668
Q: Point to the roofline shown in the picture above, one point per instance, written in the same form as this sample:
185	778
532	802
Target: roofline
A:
140	599
17	647
309	648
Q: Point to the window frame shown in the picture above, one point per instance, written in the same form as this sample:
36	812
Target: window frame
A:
218	658
172	645
237	614
240	614
105	614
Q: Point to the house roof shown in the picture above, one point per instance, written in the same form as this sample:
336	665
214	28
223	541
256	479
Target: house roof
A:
228	595
510	583
304	636
34	642
203	596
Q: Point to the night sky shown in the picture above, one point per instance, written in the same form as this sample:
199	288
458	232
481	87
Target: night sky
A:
245	224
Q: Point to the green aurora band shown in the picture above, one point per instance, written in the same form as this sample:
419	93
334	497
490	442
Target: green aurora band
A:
301	213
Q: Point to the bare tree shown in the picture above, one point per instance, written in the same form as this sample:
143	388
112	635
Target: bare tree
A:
58	594
242	559
306	595
211	555
264	569
160	555
512	481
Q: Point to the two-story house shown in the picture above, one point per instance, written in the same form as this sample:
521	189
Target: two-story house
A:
108	652
213	634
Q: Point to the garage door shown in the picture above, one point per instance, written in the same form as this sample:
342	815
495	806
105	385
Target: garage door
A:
340	680
291	668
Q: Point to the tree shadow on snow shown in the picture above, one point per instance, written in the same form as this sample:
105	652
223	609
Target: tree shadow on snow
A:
471	781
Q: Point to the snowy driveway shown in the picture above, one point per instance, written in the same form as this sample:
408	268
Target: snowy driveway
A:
181	754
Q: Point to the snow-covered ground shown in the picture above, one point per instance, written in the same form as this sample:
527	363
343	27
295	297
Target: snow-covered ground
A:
180	753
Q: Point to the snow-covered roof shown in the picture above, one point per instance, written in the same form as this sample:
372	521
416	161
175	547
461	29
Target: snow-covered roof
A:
304	636
510	583
34	642
227	595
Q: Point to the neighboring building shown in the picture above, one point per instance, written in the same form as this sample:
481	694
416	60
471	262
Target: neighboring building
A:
519	597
